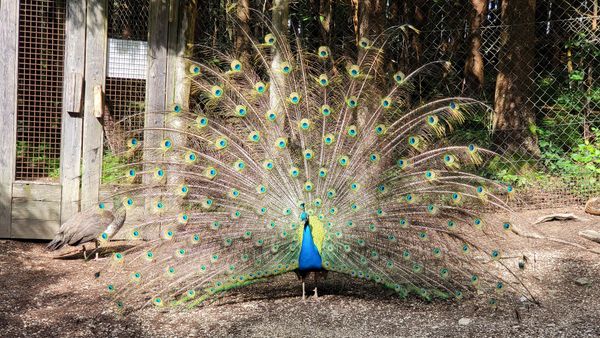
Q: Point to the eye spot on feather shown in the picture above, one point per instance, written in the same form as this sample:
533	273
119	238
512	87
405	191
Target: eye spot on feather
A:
364	43
352	102
269	39
352	130
399	77
216	91
323	80
294	98
194	69
354	71
343	160
236	66
309	154
323	52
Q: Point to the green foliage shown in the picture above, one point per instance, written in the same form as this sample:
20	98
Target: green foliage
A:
566	157
113	167
39	156
575	168
517	171
581	159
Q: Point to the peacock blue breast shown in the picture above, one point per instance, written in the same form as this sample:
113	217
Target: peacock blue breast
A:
310	259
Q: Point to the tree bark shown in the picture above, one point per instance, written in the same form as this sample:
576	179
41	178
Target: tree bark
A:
370	18
474	63
417	15
514	118
325	18
280	27
242	30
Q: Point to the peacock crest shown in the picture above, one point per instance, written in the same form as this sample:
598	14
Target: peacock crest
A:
293	138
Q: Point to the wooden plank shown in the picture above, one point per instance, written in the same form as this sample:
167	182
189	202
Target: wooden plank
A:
35	229
181	38
72	124
35	210
98	101
9	28
37	191
156	81
95	72
73	83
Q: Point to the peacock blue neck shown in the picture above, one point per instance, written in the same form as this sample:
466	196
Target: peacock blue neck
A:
310	259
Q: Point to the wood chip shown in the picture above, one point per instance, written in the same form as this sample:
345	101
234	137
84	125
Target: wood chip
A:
557	217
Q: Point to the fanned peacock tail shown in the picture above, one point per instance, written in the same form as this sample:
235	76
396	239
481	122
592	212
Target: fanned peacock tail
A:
218	190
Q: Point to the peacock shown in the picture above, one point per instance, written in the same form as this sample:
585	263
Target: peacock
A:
296	160
91	225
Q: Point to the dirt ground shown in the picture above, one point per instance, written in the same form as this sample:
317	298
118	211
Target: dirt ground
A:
46	297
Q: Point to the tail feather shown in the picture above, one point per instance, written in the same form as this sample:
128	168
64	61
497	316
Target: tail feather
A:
220	194
57	243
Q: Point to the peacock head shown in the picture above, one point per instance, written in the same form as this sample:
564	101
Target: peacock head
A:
304	214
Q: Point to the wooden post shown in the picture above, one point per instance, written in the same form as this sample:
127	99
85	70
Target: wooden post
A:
9	40
72	123
95	73
181	38
156	81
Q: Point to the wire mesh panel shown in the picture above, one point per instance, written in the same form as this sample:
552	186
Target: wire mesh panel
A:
557	79
558	82
126	77
40	81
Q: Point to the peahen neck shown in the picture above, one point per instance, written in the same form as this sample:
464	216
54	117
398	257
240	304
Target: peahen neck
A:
120	214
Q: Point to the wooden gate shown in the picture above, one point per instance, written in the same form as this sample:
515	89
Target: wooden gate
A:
60	73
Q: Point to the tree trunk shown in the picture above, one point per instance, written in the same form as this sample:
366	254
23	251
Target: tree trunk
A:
280	30
242	30
371	17
181	85
370	20
514	117
325	17
417	15
474	63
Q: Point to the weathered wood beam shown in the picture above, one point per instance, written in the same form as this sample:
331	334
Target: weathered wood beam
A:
95	74
72	122
9	40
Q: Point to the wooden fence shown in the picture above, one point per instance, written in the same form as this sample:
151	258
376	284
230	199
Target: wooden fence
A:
34	209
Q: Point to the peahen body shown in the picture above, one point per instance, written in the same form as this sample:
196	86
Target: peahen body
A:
310	164
92	225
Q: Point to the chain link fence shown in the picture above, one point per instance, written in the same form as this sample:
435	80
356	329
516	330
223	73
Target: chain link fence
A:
562	89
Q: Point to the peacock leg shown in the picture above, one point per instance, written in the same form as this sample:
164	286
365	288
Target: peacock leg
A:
84	252
316	276
303	291
96	250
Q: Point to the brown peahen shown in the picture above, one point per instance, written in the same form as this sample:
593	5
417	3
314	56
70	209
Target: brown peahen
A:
310	163
92	225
